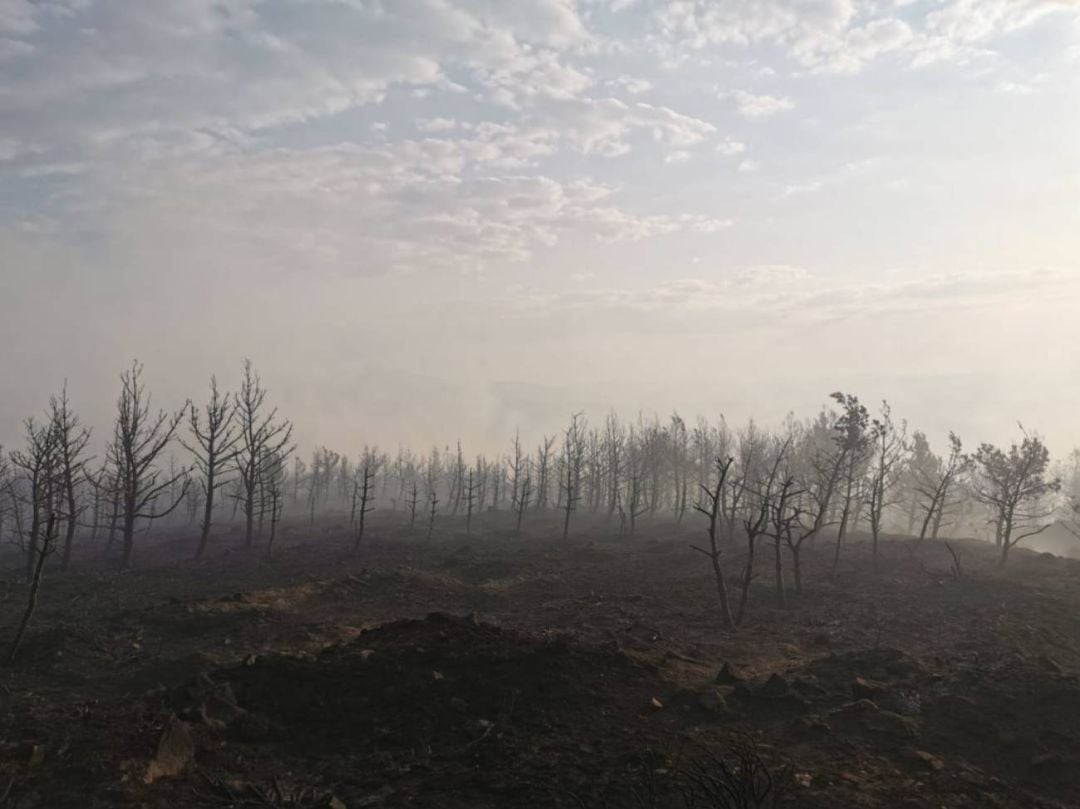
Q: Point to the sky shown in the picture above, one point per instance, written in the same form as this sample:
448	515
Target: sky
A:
426	220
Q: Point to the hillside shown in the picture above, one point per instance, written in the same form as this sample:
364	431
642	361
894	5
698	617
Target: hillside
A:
489	670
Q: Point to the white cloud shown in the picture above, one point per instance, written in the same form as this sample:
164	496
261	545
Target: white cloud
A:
17	17
604	126
115	69
632	85
436	125
785	294
413	205
730	148
754	106
843	36
795	189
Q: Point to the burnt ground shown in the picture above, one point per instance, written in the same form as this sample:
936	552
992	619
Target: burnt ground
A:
489	670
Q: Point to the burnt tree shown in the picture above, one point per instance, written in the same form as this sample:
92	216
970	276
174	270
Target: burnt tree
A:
214	440
139	440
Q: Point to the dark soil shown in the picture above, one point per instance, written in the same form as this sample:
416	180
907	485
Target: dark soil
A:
489	670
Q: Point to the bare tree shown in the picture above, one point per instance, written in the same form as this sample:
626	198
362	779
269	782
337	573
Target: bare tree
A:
851	449
414	499
274	484
822	465
139	440
543	471
324	465
711	507
71	439
756	524
214	447
633	505
934	481
1070	508
363	488
433	503
889	444
43	468
784	517
573	458
517	462
6	491
470	496
37	467
614	445
524	496
1015	486
680	452
262	437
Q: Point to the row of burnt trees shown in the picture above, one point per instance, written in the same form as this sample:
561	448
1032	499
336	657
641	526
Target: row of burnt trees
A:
233	440
846	468
782	491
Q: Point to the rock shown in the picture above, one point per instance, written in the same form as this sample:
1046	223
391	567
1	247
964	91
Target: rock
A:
29	800
742	691
335	803
37	756
1047	761
713	702
727	676
905	703
776	686
1049	664
867	689
175	749
808	686
1006	738
929	759
656	704
219	711
813	726
366	655
867	716
154	699
253	727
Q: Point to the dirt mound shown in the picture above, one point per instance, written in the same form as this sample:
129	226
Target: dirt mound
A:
1016	719
447	703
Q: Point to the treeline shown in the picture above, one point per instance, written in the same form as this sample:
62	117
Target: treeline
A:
232	459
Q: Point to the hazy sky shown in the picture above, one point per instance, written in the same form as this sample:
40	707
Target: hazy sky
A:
425	219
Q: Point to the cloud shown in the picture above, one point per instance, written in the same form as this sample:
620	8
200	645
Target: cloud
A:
113	69
632	85
730	148
17	17
770	275
843	36
760	106
786	295
437	125
795	189
604	126
417	206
